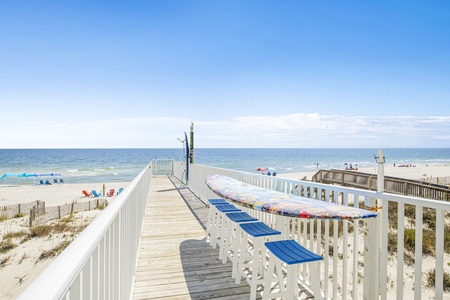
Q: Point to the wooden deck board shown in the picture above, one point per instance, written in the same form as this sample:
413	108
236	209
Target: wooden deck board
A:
175	261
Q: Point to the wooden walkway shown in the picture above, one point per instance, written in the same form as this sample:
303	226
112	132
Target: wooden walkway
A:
175	262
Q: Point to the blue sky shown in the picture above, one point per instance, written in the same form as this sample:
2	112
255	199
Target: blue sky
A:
101	74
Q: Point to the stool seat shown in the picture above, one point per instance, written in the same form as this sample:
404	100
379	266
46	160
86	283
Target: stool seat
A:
239	217
258	229
291	252
217	201
224	208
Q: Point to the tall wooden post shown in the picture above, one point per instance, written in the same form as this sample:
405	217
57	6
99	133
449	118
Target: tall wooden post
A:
191	144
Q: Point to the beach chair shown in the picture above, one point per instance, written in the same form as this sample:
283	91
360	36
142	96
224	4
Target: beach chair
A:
86	194
47	182
111	193
55	180
41	182
119	191
95	194
61	180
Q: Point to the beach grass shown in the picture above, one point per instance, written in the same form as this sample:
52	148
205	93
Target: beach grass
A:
4	261
55	250
40	230
15	234
430	277
6	245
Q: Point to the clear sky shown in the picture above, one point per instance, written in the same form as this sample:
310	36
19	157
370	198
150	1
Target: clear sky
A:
107	74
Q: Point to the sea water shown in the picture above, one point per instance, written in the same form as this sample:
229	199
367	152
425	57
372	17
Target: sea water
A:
114	165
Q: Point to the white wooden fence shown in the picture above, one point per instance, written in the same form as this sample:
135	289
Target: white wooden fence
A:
362	259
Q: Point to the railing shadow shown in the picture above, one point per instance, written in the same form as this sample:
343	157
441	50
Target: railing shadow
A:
206	277
197	207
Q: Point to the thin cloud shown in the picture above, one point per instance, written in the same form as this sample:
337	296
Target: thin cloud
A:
292	130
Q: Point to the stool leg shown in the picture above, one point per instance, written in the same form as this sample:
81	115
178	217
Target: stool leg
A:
280	276
268	278
226	242
236	248
208	221
218	229
255	267
315	280
292	284
214	228
263	257
242	256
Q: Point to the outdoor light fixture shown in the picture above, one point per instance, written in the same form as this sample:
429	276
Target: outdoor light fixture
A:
377	157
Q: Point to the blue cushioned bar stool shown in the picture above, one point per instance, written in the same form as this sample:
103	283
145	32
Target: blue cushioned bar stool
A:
230	246
212	213
219	223
291	253
251	264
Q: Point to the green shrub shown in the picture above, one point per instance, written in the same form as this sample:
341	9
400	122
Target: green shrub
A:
431	280
447	239
428	241
6	245
55	250
40	230
16	234
3	217
392	242
4	260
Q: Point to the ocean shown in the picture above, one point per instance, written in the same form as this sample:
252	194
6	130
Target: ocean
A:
115	165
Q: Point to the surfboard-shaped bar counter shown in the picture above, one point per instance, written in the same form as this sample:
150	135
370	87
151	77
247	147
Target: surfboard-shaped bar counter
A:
274	202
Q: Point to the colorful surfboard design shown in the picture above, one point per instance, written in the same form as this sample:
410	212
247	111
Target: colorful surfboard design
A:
280	203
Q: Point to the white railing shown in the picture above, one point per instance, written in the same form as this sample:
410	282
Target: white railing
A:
162	166
101	262
357	261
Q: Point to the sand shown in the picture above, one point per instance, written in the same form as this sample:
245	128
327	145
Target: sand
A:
22	264
430	173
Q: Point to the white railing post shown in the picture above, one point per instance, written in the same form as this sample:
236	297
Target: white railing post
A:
372	239
370	290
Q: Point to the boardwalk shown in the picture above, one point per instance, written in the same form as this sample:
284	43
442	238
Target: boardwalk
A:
174	260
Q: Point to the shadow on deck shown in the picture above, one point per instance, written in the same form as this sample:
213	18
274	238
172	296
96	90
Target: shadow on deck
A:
175	261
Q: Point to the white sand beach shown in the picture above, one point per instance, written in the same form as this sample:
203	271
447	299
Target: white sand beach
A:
29	256
430	173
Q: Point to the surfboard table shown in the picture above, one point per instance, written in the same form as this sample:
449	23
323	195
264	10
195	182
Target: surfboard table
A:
279	203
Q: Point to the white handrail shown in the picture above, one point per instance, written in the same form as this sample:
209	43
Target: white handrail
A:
100	263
